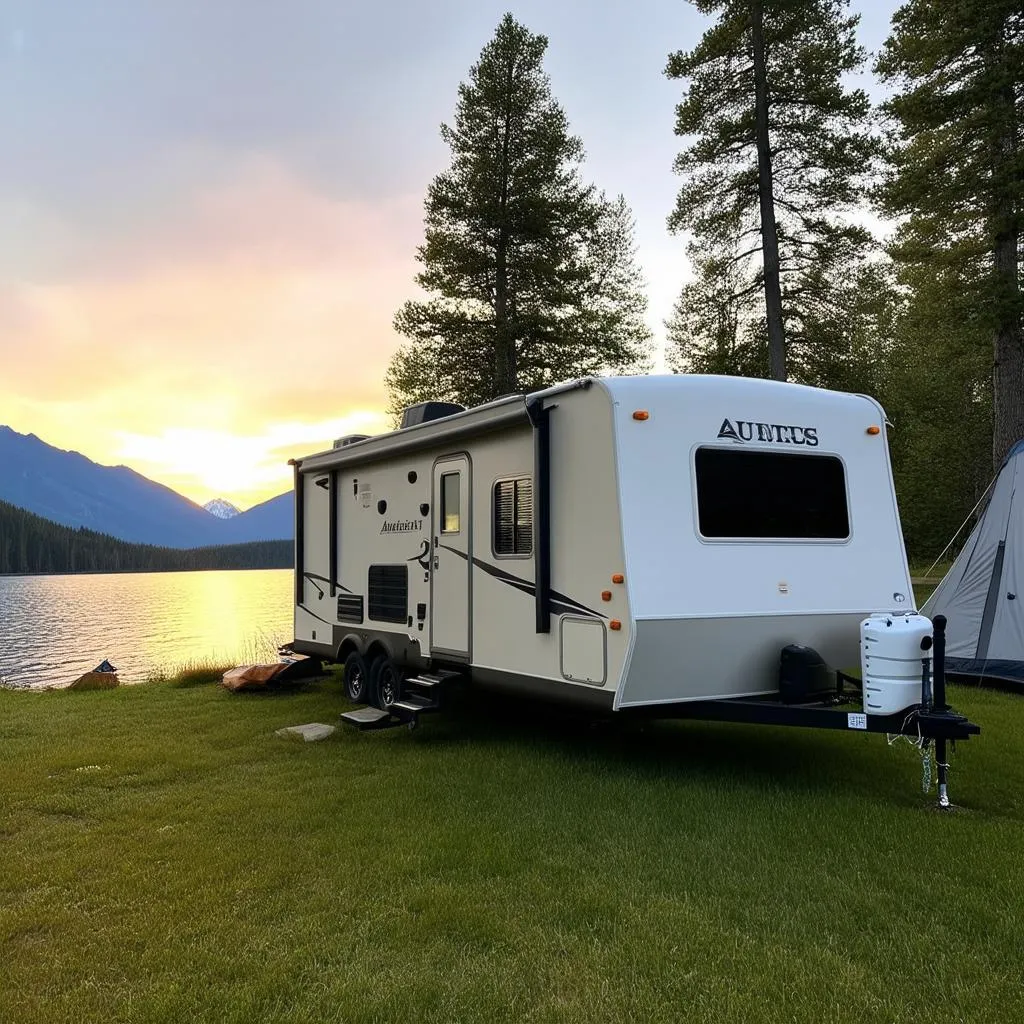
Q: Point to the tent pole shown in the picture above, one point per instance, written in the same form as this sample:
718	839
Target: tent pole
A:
939	697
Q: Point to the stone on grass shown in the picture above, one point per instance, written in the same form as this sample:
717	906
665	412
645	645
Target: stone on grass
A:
309	733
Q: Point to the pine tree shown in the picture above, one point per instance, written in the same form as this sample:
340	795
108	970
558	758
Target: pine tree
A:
712	328
529	273
957	174
779	154
938	393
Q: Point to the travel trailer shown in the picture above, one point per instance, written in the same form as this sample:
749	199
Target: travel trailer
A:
655	545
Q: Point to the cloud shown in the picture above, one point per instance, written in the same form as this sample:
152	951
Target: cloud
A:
261	317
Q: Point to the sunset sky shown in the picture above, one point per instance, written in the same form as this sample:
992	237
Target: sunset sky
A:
209	208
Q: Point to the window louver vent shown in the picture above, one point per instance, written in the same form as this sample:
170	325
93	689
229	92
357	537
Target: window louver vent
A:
350	607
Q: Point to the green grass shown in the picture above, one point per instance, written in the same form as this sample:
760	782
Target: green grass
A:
164	857
196	672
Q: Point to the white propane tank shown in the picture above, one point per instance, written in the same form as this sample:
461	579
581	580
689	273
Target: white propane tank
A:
890	661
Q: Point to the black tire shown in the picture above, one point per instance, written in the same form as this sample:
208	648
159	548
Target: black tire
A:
356	679
387	683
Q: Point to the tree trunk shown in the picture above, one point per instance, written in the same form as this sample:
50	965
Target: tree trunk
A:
765	189
504	344
1008	392
505	369
1008	346
1008	352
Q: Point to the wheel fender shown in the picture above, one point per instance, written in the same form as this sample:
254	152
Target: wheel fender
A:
350	642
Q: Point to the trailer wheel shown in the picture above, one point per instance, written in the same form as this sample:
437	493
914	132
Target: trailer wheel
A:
356	678
389	682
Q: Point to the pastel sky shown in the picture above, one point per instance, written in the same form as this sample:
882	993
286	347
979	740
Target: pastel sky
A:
209	208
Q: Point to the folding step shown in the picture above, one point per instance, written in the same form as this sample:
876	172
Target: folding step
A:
365	719
428	680
411	706
424	681
415	702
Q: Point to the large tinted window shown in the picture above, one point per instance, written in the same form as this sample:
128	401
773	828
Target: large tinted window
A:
759	494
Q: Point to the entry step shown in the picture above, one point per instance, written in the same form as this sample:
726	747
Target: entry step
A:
428	680
413	704
369	718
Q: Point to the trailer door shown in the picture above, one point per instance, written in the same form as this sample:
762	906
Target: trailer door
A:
451	557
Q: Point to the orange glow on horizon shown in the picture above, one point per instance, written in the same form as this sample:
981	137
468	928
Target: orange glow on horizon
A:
209	348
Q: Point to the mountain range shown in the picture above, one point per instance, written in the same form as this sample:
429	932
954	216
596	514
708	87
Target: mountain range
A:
70	489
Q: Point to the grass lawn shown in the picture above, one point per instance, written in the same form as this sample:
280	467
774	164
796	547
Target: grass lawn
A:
165	857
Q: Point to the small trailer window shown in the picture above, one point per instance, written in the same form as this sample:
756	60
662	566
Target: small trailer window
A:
450	501
513	517
768	495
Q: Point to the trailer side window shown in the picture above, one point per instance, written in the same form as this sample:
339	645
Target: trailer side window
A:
770	495
513	517
450	499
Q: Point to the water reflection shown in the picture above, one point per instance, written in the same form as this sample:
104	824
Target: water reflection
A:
53	628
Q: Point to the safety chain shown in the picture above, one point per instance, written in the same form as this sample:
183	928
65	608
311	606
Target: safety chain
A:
924	746
926	767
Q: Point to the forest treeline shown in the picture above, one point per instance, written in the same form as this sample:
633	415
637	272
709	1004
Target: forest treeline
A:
31	544
832	242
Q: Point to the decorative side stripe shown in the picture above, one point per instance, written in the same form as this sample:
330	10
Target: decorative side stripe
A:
562	604
314	577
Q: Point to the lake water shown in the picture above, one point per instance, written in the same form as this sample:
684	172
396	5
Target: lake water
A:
54	628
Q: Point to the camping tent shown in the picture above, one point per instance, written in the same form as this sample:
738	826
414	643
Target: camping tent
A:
982	595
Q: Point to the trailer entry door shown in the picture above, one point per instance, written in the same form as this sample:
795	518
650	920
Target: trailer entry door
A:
451	557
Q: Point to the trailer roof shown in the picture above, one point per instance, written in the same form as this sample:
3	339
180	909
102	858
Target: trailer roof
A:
514	409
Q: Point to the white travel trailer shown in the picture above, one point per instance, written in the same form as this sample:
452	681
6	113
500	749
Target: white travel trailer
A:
633	543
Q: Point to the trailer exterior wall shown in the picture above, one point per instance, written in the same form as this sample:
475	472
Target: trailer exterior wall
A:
711	615
383	488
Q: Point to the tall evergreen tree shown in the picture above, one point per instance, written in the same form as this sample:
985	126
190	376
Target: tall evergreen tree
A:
712	328
957	174
779	153
529	273
937	391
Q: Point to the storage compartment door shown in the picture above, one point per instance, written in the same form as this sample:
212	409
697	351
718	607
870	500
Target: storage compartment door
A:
584	650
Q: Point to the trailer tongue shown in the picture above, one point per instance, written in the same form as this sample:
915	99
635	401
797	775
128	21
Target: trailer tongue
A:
929	721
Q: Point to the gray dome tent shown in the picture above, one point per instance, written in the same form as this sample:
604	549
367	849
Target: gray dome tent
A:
982	595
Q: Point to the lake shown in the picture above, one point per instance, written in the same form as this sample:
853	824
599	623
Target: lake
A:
54	628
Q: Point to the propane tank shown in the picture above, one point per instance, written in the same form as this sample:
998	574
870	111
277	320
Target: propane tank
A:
892	648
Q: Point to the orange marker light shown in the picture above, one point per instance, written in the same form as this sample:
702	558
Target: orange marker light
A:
874	430
641	414
606	595
615	624
618	578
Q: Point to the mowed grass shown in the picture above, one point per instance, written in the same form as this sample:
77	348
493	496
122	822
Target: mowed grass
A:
165	857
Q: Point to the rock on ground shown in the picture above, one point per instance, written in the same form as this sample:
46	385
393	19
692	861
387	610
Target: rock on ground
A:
309	733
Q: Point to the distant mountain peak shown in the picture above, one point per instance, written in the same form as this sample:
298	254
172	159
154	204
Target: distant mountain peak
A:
70	489
221	508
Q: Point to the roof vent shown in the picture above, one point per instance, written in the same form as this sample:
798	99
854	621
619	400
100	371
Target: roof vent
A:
348	439
427	411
